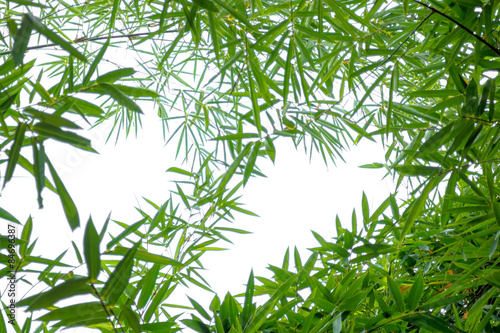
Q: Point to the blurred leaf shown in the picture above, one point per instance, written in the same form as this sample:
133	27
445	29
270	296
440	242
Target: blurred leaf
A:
416	292
396	294
21	40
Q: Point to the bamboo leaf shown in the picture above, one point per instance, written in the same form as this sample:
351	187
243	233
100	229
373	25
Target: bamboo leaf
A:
68	205
62	136
15	151
118	280
94	64
21	40
416	208
148	285
42	29
115	75
416	292
91	252
396	294
121	98
74	286
251	162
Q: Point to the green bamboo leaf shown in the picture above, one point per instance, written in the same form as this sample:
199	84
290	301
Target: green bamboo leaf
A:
77	252
417	170
288	72
196	325
149	283
270	150
238	136
94	64
21	40
331	247
29	3
118	280
255	104
25	236
417	206
232	169
130	229
259	76
114	12
72	287
213	25
91	242
77	310
183	196
68	205
491	188
393	88
3	328
262	312
145	256
457	79
396	294
63	136
7	216
52	36
357	129
207	4
162	293
14	151
121	98
248	306
235	14
39	168
491	109
365	209
159	216
251	162
180	171
51	119
369	91
416	292
115	75
494	244
132	319
432	323
200	309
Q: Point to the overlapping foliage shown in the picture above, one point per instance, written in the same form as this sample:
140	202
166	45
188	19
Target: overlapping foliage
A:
229	78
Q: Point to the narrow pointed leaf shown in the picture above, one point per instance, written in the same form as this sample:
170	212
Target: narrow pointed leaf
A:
14	151
68	205
91	252
118	280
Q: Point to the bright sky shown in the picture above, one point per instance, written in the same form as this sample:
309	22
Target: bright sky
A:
296	196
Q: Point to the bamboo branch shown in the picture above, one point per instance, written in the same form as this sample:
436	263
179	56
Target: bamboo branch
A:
470	32
90	39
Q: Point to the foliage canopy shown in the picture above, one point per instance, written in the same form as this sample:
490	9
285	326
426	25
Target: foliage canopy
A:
228	79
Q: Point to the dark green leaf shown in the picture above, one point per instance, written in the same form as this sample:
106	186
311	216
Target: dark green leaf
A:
91	242
68	205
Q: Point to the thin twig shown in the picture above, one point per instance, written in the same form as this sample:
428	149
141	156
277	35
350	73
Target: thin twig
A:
470	32
90	39
104	307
